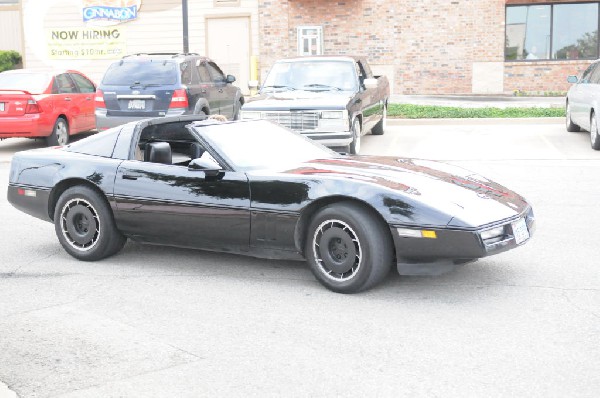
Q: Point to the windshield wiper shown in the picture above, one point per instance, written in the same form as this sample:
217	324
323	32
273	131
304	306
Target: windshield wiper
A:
138	84
325	86
277	86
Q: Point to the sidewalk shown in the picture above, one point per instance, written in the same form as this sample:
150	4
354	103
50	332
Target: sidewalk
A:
480	101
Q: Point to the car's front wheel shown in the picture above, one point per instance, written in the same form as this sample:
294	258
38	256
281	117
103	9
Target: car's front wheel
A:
571	127
85	226
60	133
348	247
594	137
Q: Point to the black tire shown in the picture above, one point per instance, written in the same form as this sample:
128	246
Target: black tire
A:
571	127
594	137
380	127
236	110
60	133
84	224
354	147
348	247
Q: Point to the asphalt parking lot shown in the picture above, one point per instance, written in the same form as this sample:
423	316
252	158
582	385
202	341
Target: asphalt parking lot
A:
155	322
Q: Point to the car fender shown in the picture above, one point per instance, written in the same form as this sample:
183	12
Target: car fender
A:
201	104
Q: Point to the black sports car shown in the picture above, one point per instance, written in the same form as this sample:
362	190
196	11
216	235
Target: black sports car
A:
255	188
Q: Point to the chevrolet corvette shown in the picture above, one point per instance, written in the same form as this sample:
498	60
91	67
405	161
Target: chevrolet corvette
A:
259	189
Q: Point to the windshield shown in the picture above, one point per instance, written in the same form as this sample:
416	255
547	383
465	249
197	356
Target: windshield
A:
262	144
34	83
142	73
312	75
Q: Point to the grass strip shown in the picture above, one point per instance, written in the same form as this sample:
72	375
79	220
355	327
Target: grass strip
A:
410	111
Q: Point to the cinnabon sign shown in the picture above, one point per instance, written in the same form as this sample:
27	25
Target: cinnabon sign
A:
110	12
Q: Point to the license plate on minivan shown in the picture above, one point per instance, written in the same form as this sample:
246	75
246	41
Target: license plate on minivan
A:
520	231
136	104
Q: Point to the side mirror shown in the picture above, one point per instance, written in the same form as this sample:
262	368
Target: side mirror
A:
230	79
572	79
207	165
253	84
370	83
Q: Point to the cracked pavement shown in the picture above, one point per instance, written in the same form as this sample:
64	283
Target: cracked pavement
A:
155	321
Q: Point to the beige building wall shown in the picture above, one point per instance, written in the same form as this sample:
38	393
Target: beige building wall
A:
158	28
10	28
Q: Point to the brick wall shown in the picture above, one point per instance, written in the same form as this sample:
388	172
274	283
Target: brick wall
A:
431	45
541	76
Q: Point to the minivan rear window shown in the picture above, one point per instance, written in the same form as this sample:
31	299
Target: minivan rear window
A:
144	73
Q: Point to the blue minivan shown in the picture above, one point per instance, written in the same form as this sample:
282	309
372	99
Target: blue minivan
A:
148	85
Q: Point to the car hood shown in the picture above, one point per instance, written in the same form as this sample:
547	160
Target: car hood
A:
298	99
468	199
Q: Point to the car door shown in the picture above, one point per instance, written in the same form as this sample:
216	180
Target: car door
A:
170	204
207	87
85	101
66	101
372	108
580	98
222	90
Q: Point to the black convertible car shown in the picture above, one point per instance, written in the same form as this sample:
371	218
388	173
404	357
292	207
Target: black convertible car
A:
255	188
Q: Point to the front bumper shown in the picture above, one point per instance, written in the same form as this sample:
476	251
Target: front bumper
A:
452	248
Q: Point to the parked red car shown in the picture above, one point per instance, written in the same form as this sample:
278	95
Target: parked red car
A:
44	104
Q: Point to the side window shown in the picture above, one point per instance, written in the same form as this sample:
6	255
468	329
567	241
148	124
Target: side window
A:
203	73
85	86
63	84
367	69
595	76
186	73
585	78
215	72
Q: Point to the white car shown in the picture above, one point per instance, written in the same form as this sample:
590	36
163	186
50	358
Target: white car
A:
583	103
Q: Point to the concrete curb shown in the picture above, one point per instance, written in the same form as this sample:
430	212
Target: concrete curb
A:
471	121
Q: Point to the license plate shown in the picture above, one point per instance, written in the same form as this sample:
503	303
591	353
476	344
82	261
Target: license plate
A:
1	106
136	104
520	231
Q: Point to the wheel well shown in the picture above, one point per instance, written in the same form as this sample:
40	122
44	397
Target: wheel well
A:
309	212
242	100
62	116
62	186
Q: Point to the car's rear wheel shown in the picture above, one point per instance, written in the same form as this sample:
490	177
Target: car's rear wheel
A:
354	147
571	127
380	127
85	226
594	137
236	110
60	133
348	247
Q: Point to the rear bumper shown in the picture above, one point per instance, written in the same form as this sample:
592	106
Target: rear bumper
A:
30	200
28	125
105	122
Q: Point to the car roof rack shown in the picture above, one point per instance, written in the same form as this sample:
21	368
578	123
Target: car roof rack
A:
164	54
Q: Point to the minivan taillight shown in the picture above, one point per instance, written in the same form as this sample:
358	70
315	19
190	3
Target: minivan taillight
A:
99	99
179	99
32	107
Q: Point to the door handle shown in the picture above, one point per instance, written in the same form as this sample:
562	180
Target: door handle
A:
220	90
130	177
67	98
88	99
203	91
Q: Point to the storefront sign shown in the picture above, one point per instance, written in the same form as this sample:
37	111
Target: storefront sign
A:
110	12
77	43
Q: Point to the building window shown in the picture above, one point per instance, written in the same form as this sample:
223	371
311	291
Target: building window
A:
310	40
559	31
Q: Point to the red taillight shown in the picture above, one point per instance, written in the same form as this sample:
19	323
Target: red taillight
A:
99	99
32	107
179	99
